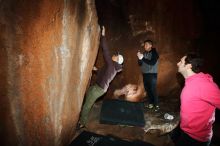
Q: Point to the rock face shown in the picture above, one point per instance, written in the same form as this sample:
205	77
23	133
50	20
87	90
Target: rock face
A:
174	27
47	51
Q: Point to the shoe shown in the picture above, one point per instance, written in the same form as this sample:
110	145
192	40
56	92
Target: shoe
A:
150	106
157	108
80	126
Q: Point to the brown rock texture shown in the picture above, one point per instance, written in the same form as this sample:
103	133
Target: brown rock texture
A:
47	51
174	27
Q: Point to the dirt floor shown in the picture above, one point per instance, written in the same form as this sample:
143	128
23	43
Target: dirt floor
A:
157	133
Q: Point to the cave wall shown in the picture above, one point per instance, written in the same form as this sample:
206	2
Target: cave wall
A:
174	25
47	51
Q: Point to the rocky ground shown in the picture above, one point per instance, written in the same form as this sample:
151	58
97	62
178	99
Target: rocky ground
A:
156	129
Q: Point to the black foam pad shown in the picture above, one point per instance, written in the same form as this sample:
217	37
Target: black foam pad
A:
122	112
87	138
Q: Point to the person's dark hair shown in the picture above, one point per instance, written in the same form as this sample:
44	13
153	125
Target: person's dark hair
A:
195	60
149	41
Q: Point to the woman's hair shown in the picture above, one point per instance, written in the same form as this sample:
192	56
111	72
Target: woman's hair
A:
195	60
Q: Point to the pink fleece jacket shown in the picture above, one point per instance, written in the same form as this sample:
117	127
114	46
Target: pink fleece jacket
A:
199	99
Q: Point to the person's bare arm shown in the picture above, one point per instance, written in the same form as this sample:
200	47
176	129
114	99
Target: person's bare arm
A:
135	93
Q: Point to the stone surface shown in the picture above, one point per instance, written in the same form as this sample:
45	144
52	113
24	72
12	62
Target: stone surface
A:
45	47
174	26
48	48
155	131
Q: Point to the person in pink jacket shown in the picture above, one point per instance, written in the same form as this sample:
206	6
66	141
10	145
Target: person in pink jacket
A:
200	97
